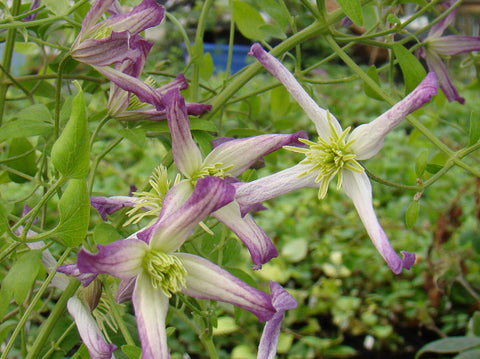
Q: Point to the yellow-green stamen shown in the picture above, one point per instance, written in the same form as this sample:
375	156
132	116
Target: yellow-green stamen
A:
328	158
166	272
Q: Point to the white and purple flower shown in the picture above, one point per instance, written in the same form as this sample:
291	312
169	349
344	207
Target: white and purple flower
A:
336	154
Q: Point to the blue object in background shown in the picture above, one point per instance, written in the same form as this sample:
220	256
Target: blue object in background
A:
18	60
219	55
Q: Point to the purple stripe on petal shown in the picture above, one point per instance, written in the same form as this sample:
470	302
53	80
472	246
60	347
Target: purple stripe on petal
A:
109	205
210	194
243	153
186	154
151	307
122	259
436	65
438	29
72	270
454	44
250	233
93	15
125	290
368	138
357	186
317	114
206	280
249	194
89	331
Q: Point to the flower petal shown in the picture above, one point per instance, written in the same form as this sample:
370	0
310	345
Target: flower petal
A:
151	307
72	270
250	233
169	232
243	153
438	29
317	114
436	64
89	331
143	16
125	290
121	259
454	44
368	138
109	205
249	194
357	186
93	15
186	153
206	280
282	301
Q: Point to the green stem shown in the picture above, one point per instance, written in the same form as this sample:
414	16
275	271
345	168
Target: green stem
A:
56	345
53	76
32	305
7	58
207	341
6	252
48	325
198	50
413	121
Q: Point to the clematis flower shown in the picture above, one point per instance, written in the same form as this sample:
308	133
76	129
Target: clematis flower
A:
227	160
336	154
33	6
437	46
117	38
151	262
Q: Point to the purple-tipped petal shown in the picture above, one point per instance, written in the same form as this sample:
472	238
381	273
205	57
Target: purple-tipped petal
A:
186	154
93	15
250	233
317	114
122	259
109	205
282	301
143	16
210	194
72	270
249	194
89	331
454	44
151	307
436	65
357	186
438	29
206	280
243	153
368	138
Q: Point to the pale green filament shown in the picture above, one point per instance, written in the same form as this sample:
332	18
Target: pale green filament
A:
329	158
134	103
215	170
166	272
101	32
150	203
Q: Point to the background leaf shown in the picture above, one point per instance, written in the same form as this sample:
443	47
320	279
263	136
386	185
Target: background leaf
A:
412	70
248	20
353	9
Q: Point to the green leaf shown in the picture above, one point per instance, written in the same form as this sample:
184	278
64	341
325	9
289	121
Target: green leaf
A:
449	345
476	323
21	276
132	351
206	70
279	102
474	127
71	151
412	214
134	135
34	120
353	9
433	168
412	70
468	354
225	325
105	233
248	20
393	19
277	12
74	209
24	164
273	30
373	74
421	163
296	250
58	7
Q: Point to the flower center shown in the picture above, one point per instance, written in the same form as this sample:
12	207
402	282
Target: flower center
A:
215	170
151	202
328	158
166	272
